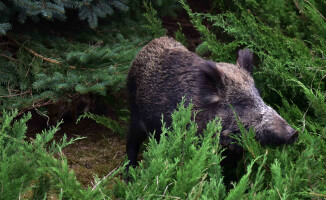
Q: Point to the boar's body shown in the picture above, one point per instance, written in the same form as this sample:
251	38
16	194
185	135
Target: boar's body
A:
161	74
164	71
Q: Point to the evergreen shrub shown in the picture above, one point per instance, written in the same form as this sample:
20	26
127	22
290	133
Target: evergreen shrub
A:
118	126
27	166
37	70
37	168
290	66
89	10
36	73
184	165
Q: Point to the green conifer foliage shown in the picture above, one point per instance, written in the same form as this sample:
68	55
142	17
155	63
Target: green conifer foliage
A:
39	70
22	162
89	10
3	25
154	23
46	69
180	37
182	165
286	61
185	166
120	127
28	169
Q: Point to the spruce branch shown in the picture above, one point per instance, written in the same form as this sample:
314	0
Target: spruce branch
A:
36	54
51	60
43	57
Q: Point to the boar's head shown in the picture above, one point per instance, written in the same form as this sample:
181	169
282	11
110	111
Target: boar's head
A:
226	88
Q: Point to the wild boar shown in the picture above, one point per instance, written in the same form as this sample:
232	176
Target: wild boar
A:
164	71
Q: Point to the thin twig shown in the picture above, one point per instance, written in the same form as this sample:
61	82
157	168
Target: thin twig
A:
94	187
316	9
94	46
297	5
251	151
8	57
36	54
175	24
171	197
321	80
41	103
300	11
13	95
39	55
9	91
316	68
320	195
304	118
279	193
167	188
14	139
267	168
42	57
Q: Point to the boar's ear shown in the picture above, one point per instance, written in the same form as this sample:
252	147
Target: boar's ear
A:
245	60
210	82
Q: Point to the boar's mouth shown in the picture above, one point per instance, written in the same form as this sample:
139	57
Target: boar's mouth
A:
270	138
292	138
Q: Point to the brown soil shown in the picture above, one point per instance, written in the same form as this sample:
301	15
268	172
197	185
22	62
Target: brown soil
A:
100	152
97	154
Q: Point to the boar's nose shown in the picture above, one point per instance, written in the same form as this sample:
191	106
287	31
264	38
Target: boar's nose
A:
293	135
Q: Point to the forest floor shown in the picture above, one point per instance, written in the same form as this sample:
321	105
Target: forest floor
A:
97	154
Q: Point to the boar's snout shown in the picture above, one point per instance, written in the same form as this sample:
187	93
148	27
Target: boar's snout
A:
276	131
288	135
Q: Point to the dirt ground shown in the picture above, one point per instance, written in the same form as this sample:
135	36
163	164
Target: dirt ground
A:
98	153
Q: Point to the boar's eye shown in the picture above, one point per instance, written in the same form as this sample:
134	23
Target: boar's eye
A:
243	103
242	107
